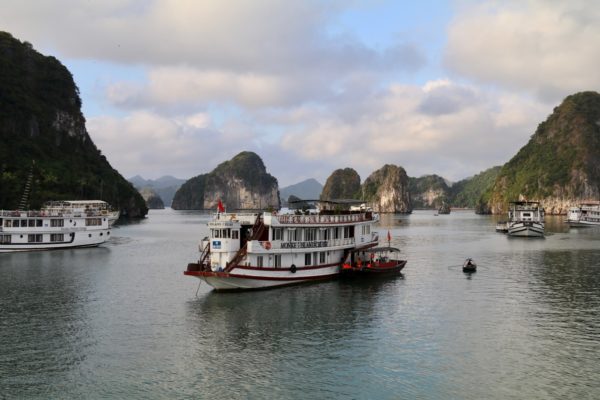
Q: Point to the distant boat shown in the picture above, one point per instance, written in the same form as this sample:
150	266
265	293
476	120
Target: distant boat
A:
49	229
444	209
502	226
587	214
469	265
526	219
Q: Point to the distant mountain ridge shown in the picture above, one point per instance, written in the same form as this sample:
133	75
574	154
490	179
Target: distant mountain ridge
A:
308	189
165	187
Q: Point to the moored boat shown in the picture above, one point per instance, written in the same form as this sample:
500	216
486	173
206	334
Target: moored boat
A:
377	261
51	229
263	250
526	219
586	214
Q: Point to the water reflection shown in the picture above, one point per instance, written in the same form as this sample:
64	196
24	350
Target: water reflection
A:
44	331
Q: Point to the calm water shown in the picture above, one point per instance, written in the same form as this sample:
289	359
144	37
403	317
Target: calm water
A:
122	321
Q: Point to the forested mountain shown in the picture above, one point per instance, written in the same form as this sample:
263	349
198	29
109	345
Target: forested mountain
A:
559	166
43	138
240	183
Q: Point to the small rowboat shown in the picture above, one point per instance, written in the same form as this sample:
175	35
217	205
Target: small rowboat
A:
377	261
469	265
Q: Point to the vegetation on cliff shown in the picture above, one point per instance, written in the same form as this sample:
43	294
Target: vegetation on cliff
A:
43	134
467	192
561	162
242	182
342	184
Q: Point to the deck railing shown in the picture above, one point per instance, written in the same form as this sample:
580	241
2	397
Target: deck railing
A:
323	219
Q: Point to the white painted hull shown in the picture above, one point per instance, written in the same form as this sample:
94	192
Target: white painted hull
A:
81	239
526	229
245	279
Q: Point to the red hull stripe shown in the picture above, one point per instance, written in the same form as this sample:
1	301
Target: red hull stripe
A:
258	278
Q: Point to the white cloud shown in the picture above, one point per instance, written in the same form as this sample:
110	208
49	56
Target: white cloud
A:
484	130
548	48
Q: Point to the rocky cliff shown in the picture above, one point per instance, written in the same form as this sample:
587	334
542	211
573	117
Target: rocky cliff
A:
342	184
43	136
429	191
386	190
559	166
240	183
153	200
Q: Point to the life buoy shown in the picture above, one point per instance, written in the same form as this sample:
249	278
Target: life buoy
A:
293	269
267	245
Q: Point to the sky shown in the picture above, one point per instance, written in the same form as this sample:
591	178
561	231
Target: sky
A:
175	87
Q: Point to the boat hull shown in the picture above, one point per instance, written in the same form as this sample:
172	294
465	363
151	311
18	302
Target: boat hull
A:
526	229
241	278
381	269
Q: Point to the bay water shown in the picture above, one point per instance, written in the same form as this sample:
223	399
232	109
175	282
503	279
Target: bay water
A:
122	321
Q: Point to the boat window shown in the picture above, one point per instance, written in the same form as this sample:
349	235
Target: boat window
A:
38	238
292	235
226	233
57	222
277	234
5	238
322	257
324	234
307	258
57	237
259	261
235	234
336	233
23	223
15	223
310	234
277	260
217	233
346	232
39	222
8	223
32	222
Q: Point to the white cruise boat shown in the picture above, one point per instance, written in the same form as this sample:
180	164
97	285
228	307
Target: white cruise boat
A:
51	229
587	214
262	250
83	206
525	219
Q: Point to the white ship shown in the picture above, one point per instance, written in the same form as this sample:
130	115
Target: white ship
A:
262	250
525	219
51	229
587	214
83	206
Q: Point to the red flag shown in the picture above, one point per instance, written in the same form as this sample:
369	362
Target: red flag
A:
220	207
389	236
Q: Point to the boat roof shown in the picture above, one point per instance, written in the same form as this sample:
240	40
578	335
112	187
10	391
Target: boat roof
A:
336	201
76	202
524	202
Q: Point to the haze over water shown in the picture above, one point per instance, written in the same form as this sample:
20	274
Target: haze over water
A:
122	321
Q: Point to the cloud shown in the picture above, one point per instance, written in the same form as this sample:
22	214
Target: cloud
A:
547	48
182	146
464	130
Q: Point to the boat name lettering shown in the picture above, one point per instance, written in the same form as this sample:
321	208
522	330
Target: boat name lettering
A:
304	245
